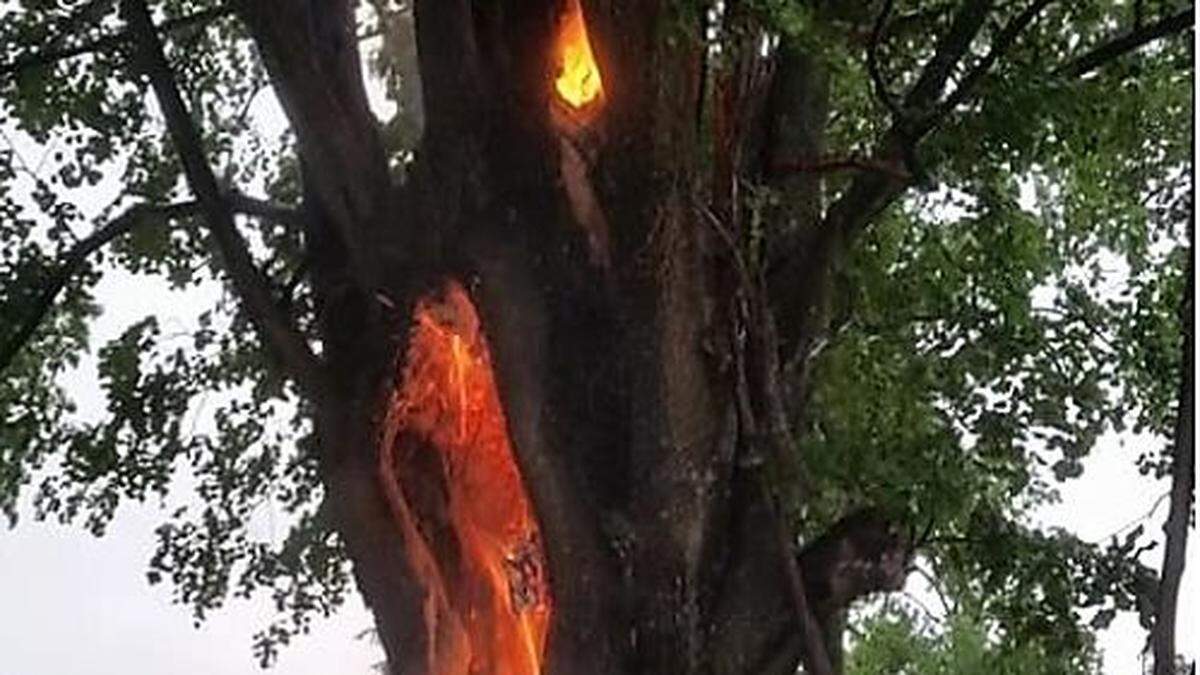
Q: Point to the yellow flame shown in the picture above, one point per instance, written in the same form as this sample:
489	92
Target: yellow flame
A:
578	81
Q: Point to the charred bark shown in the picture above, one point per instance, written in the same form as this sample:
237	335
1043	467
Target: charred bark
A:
634	348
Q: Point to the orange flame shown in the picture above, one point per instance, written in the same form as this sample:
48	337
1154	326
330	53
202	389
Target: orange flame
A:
578	81
454	487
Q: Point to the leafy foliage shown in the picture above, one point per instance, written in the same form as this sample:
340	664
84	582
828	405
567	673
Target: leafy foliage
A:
895	641
986	332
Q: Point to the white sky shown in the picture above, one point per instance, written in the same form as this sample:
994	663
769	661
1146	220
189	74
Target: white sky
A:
71	604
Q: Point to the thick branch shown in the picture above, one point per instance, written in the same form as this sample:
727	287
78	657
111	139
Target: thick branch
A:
798	284
815	654
74	260
448	60
922	109
1098	57
49	56
861	554
311	53
247	279
881	89
1183	486
764	423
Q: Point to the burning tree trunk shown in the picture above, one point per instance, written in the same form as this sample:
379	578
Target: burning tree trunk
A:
550	397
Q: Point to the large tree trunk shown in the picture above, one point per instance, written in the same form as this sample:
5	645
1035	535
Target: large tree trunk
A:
634	350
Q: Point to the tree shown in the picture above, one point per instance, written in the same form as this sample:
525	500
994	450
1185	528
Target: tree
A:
745	307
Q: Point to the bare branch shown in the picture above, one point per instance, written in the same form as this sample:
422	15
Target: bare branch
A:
248	280
1139	37
47	57
75	259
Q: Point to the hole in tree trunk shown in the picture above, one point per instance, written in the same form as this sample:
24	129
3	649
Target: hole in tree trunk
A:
456	492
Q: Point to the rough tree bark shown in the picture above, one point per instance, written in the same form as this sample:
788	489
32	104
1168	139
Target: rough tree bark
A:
642	355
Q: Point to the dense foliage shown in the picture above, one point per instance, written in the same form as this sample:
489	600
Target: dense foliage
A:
984	335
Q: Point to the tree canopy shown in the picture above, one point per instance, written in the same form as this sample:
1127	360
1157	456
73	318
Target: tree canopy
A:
1018	300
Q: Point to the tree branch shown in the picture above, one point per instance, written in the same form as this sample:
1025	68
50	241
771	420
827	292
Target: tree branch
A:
763	421
862	201
860	554
1135	39
311	53
799	280
50	56
1183	486
133	216
248	281
815	654
260	208
75	259
833	164
1004	40
950	50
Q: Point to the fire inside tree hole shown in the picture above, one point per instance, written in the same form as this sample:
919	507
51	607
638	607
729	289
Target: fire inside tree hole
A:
469	528
448	469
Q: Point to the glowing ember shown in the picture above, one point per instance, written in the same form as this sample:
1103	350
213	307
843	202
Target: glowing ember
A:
578	80
469	528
